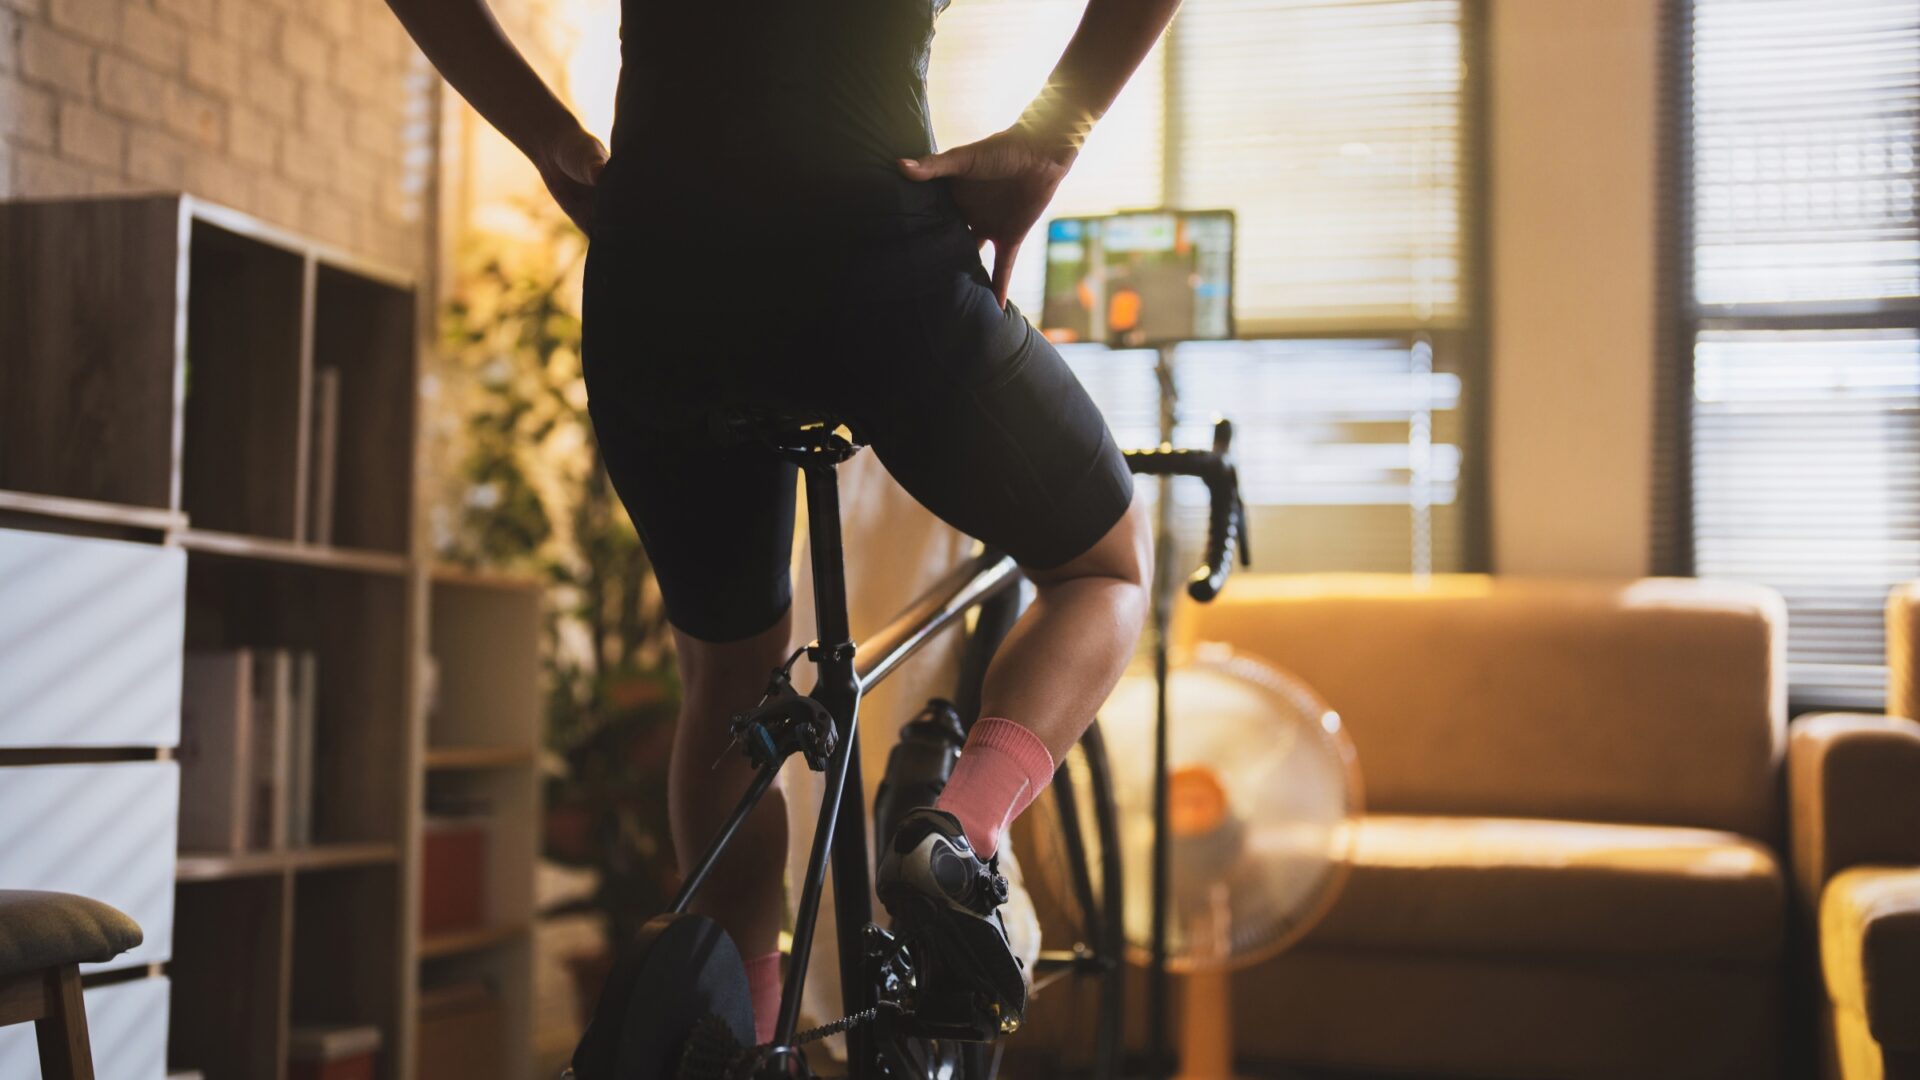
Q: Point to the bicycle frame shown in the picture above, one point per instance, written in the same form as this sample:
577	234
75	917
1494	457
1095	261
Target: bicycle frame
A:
842	679
844	675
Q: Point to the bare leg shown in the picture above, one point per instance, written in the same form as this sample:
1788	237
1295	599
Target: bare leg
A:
744	892
1064	656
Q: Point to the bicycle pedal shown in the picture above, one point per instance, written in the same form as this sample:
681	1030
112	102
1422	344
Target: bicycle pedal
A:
965	1017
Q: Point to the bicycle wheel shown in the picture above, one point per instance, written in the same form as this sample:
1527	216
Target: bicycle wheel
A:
1080	880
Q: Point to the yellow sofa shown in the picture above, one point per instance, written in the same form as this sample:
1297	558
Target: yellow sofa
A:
1855	787
1572	863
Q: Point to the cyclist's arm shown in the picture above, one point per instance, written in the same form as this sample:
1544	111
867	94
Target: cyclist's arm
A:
466	44
1111	40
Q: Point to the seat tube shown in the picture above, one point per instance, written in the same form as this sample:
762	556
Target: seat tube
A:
838	689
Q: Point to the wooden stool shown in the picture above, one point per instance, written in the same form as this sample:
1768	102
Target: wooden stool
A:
44	938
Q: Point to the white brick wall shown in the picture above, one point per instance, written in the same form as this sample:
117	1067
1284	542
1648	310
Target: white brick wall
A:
306	114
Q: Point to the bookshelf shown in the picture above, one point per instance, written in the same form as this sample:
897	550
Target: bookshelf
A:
184	377
482	750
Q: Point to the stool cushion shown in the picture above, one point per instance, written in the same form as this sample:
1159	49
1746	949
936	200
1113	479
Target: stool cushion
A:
40	930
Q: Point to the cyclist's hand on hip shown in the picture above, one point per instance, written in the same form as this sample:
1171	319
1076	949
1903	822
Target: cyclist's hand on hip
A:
570	163
1002	184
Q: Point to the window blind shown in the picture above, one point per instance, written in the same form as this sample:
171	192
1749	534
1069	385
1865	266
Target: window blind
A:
1349	449
1333	128
1805	413
1336	131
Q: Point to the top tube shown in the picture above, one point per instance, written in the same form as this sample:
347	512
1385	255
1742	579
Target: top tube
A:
964	587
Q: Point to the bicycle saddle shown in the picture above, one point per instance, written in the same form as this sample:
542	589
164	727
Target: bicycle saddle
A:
798	430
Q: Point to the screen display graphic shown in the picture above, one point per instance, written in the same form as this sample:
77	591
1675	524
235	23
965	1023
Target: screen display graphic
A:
1142	277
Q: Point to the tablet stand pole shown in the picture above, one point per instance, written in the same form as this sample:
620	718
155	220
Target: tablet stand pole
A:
1164	579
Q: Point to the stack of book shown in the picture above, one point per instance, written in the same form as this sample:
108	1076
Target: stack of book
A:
247	722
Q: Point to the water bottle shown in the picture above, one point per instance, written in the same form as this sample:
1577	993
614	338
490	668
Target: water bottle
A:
918	766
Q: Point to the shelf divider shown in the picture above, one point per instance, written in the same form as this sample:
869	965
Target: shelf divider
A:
268	549
220	866
478	757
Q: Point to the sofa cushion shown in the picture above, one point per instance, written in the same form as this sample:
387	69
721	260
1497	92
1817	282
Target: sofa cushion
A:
1653	702
1505	885
1423	1015
1870	950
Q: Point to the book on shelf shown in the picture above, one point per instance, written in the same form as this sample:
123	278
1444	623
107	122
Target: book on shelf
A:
216	750
326	452
248	722
272	746
306	692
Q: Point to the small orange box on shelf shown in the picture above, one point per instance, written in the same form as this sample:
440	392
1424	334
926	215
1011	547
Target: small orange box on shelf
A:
459	1033
453	875
332	1052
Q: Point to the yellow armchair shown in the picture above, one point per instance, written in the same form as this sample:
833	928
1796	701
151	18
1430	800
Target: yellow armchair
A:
1854	784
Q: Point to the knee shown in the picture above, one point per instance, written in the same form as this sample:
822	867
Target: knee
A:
1124	555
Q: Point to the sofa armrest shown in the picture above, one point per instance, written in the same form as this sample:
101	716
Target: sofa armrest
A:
1853	784
1870	950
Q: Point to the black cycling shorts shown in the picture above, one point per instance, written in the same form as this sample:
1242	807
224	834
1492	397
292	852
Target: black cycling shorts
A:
891	327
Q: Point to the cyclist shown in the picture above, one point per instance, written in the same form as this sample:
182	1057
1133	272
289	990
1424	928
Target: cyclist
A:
774	227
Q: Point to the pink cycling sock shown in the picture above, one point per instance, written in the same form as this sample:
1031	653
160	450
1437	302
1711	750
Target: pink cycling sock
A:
1002	769
763	985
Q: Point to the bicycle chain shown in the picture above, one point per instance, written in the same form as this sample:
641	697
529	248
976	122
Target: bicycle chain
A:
845	1023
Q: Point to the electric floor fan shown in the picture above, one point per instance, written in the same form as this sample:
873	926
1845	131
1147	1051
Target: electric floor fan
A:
1264	794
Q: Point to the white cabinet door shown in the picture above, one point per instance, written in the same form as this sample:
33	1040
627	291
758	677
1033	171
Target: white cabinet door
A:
127	1024
91	636
102	830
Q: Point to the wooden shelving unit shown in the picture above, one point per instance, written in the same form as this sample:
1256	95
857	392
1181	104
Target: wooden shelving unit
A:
482	750
163	383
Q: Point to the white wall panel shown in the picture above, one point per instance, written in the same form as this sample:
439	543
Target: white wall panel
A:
91	634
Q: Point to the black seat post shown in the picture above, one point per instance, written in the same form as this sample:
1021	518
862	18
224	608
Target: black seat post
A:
840	834
828	552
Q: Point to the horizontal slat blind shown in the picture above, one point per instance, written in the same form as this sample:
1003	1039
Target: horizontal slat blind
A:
1806	405
1334	131
1346	448
1804	119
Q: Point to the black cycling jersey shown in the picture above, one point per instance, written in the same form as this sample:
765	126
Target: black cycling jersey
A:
821	101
